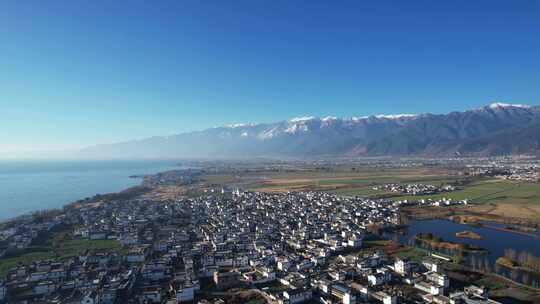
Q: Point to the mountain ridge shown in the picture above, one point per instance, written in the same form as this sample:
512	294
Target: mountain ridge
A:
376	135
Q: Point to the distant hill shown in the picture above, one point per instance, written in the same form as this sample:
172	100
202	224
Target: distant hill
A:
496	129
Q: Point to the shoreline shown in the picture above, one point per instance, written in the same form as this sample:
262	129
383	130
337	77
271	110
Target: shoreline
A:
130	181
474	220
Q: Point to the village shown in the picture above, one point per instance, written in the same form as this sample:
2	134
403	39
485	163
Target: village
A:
415	189
297	247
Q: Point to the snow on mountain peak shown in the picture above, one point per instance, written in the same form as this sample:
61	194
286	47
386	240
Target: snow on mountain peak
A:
295	128
497	105
395	116
268	133
238	125
301	119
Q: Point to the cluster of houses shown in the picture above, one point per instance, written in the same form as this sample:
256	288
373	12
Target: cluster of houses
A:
515	168
291	247
438	202
20	236
415	189
172	177
531	175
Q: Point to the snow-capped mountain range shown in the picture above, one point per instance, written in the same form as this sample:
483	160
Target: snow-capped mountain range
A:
473	132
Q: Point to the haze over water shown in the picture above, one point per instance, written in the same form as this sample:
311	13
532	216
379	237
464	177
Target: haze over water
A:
27	186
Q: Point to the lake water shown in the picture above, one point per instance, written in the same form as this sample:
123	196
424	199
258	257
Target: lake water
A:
27	186
495	241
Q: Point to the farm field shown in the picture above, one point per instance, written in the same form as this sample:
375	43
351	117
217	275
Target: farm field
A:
498	198
57	246
489	196
358	182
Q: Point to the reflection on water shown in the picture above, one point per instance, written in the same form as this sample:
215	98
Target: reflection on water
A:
495	241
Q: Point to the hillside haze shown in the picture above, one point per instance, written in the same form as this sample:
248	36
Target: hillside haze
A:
496	129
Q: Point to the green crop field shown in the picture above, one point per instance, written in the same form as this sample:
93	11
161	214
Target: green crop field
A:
490	191
488	196
348	183
57	247
75	247
28	258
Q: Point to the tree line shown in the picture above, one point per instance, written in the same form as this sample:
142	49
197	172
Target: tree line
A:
523	259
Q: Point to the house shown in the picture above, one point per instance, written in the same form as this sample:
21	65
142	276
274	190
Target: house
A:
57	274
43	288
439	279
241	261
97	235
432	265
298	295
37	276
476	291
361	290
402	266
153	294
429	287
355	242
283	264
343	293
91	297
185	293
380	277
137	254
226	280
108	296
472	295
384	297
324	285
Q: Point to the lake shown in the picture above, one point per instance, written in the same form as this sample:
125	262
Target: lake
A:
27	186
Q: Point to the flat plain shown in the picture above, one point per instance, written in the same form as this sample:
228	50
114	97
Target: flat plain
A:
488	197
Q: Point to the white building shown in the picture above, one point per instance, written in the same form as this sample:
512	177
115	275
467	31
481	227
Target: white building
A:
380	277
439	279
185	294
298	295
384	297
46	287
402	266
431	265
429	287
343	293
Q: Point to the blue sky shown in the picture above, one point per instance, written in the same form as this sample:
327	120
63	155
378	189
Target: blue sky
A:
76	73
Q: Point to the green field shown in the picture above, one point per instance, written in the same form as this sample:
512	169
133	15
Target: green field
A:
56	247
490	191
8	263
75	247
349	183
494	199
415	255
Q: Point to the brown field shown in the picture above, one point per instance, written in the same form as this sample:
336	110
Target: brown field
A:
510	210
345	182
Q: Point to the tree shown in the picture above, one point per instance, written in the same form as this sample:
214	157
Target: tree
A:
487	265
511	254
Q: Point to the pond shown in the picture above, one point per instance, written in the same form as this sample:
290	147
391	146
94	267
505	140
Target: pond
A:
495	241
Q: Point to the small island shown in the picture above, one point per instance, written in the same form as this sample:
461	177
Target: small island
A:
469	235
429	241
